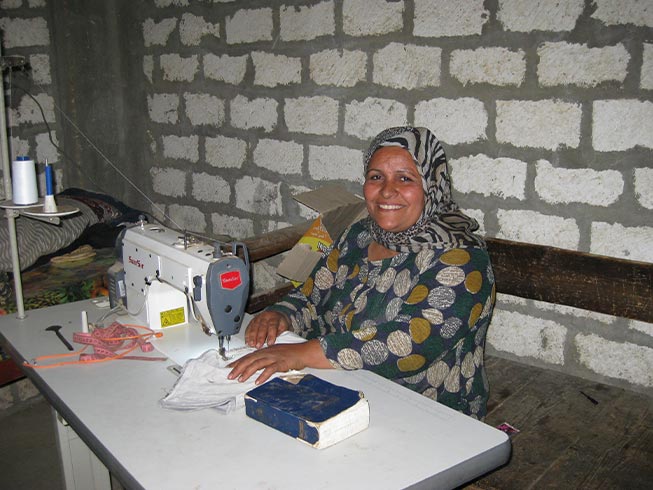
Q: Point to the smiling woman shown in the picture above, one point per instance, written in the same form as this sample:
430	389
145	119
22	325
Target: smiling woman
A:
407	292
393	189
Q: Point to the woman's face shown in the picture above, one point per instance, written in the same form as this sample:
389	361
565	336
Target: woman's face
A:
393	189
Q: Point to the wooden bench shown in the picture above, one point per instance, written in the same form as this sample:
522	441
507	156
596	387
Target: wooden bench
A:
574	433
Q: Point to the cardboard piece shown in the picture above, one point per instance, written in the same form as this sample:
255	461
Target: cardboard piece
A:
338	209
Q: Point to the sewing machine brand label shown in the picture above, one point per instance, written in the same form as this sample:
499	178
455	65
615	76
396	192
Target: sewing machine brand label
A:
170	318
136	262
230	280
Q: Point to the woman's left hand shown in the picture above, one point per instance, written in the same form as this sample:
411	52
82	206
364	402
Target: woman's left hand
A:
278	358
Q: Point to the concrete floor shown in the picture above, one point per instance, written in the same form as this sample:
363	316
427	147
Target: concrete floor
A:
28	448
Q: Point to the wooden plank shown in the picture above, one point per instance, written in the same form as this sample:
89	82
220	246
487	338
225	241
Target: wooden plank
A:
276	242
258	301
605	284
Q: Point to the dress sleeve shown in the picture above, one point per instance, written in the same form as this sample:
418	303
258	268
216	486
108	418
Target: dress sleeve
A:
434	310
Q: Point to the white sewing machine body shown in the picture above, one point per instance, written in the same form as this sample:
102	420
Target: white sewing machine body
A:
172	278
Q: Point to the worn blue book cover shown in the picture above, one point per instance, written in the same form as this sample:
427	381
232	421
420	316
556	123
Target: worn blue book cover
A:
310	409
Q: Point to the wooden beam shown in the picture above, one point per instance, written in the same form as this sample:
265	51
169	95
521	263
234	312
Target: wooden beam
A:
275	242
258	301
592	282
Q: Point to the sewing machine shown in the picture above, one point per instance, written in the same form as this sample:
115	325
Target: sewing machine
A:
171	278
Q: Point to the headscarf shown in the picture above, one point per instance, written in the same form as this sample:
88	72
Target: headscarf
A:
441	225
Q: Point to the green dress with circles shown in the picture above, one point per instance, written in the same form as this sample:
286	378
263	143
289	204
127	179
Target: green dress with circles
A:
418	319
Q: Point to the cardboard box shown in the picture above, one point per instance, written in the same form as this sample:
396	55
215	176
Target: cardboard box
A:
338	209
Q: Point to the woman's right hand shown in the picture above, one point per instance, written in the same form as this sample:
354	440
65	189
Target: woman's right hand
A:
265	328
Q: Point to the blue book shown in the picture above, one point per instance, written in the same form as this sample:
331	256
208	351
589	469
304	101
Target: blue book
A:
310	409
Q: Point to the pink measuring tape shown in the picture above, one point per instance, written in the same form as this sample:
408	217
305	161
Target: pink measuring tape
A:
109	343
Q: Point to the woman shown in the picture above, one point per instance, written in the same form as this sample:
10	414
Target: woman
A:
407	292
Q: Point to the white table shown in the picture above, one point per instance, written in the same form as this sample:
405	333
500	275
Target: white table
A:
113	407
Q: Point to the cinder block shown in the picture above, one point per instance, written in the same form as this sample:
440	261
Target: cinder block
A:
40	64
341	68
533	227
365	119
255	113
192	218
619	125
158	33
577	64
238	228
503	177
527	336
407	66
311	115
28	111
181	147
284	157
163	108
627	242
305	22
335	162
258	196
644	327
494	66
646	73
630	362
168	181
22	33
210	188
225	152
204	109
644	187
635	12
225	68
371	17
271	70
46	151
454	121
548	124
177	68
444	18
249	26
193	28
583	185
539	15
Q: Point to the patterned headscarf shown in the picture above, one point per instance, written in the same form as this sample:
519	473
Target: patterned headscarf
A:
441	225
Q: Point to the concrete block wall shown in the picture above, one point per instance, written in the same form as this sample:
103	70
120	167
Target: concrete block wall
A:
25	29
545	110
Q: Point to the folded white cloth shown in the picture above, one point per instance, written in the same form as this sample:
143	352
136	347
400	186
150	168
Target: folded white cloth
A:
203	381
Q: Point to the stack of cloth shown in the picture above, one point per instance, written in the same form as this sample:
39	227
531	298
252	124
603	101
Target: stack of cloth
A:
203	381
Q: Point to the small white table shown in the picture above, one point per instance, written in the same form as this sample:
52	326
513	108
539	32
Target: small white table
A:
113	407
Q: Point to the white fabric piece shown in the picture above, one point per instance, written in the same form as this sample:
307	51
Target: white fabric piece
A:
203	381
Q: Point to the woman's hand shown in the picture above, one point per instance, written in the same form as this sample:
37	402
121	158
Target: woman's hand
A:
279	358
266	327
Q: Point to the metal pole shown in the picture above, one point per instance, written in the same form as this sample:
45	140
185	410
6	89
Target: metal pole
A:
11	214
6	172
